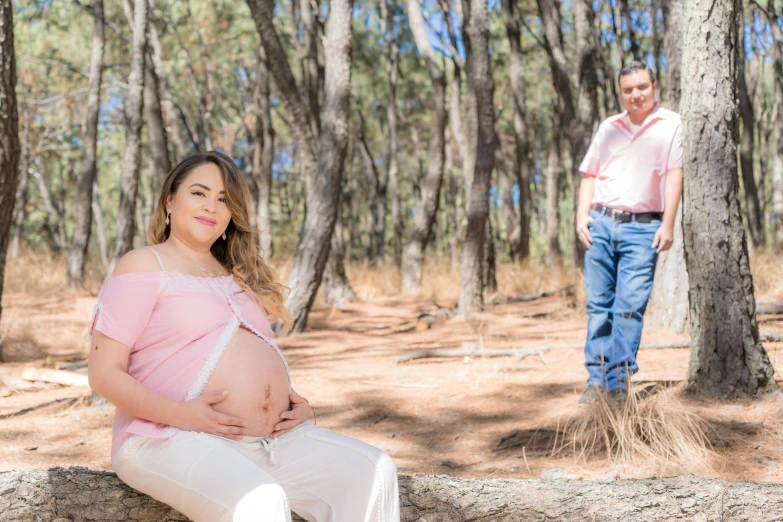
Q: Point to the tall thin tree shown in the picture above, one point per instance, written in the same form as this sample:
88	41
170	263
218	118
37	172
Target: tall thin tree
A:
752	206
668	307
777	165
523	165
9	133
321	157
131	166
263	153
481	121
727	358
431	182
87	175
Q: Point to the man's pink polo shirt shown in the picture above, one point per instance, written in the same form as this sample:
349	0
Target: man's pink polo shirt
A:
630	169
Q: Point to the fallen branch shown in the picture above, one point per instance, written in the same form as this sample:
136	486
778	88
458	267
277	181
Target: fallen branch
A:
70	400
769	308
528	297
82	494
56	376
473	350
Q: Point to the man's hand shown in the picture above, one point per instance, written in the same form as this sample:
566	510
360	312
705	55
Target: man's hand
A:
582	231
300	412
664	237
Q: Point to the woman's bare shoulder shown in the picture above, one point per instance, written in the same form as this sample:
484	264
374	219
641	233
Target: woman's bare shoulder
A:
140	260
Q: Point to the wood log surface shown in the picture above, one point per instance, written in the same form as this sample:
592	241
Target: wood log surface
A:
80	494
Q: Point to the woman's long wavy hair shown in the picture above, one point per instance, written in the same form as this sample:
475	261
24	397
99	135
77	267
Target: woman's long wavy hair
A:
240	252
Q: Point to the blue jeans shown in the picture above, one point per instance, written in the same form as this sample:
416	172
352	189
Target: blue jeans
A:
619	270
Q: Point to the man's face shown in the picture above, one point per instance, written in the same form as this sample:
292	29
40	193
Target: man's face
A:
638	92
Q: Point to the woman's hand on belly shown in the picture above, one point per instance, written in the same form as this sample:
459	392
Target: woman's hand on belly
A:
198	415
300	412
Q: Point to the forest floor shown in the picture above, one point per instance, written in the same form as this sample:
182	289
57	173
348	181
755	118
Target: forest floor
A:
438	415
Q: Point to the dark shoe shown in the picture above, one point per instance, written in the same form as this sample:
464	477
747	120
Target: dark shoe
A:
619	396
590	396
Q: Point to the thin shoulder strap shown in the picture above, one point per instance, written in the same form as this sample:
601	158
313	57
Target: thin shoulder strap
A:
159	260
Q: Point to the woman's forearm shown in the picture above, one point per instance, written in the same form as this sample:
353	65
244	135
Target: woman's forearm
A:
132	397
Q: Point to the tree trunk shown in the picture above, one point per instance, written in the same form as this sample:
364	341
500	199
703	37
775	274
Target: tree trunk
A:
452	206
337	288
97	213
668	306
392	54
82	231
520	245
727	358
507	210
489	282
81	494
9	134
752	207
377	186
131	167
322	176
431	182
587	104
174	126
553	253
777	166
672	45
263	154
158	137
482	139
20	198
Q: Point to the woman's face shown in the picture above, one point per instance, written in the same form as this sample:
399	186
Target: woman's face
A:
198	210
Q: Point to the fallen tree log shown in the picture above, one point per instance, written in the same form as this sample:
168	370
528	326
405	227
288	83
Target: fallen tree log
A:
61	495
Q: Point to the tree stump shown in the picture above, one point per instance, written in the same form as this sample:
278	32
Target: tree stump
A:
80	494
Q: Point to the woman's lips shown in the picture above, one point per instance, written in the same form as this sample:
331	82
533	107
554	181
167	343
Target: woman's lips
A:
205	221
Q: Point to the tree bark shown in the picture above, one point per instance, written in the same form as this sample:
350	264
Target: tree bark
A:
82	231
322	176
263	155
668	306
80	494
174	126
752	206
337	288
131	167
392	54
553	171
377	186
431	182
20	198
727	358
777	166
482	139
672	11
158	136
9	134
523	166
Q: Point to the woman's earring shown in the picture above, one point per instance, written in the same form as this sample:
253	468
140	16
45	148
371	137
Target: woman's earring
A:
167	218
224	236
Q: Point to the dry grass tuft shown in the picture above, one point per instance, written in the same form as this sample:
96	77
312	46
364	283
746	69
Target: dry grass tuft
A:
765	267
653	431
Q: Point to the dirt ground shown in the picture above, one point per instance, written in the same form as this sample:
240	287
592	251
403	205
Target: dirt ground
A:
442	416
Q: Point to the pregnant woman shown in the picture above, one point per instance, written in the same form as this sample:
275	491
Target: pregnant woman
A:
206	419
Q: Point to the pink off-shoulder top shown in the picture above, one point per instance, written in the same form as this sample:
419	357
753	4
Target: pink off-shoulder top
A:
177	327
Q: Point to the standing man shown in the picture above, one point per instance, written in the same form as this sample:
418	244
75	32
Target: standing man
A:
628	199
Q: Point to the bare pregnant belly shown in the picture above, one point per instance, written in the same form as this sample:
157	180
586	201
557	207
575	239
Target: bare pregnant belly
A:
256	380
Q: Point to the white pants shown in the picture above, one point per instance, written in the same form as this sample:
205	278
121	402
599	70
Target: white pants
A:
320	475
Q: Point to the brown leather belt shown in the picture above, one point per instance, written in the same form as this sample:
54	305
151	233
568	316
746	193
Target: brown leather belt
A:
623	216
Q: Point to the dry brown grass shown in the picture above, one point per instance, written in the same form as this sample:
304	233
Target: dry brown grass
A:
39	271
765	267
653	431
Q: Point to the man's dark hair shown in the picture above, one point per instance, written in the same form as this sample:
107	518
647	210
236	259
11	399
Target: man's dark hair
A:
632	67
